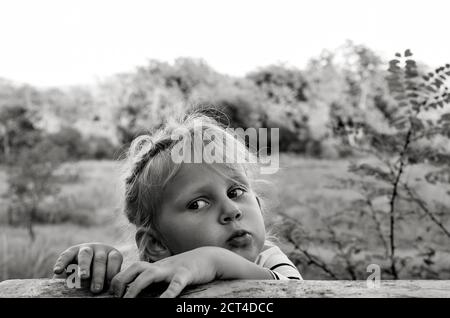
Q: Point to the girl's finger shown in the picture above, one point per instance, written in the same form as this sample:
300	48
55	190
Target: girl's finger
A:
122	279
85	255
98	271
115	260
144	280
62	275
66	258
179	281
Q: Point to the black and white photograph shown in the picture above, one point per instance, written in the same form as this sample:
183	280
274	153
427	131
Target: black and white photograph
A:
241	150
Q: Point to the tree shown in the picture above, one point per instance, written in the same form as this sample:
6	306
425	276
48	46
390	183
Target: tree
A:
17	117
281	84
375	226
286	105
411	116
140	101
346	83
31	178
31	159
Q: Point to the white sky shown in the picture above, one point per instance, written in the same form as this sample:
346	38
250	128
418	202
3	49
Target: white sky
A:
63	42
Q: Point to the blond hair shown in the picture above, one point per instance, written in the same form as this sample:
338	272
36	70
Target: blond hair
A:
149	167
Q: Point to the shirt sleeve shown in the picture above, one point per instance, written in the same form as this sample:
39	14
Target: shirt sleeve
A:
278	264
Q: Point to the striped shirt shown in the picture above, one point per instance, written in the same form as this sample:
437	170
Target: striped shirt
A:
278	263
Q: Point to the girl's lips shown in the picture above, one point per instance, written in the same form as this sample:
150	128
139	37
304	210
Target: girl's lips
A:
240	239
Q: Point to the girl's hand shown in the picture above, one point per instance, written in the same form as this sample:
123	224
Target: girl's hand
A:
193	267
105	260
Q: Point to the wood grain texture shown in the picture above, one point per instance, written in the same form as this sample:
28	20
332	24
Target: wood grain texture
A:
246	289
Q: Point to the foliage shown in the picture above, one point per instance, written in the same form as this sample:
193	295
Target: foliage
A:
286	108
17	117
31	163
28	115
272	97
78	147
414	113
347	83
143	100
69	139
280	84
70	104
31	179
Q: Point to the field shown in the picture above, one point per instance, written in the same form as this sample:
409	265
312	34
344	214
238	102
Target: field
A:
304	189
310	190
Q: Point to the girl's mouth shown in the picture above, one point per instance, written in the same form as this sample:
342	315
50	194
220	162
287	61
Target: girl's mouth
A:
240	238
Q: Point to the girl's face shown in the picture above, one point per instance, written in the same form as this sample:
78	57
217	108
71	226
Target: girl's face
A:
203	208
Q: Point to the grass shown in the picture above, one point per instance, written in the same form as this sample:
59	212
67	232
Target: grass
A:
22	258
91	206
92	197
310	190
307	190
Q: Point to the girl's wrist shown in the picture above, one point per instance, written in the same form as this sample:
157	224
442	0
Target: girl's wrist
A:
216	258
229	265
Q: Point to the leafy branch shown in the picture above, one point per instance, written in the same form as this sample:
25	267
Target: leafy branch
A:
414	96
413	196
311	259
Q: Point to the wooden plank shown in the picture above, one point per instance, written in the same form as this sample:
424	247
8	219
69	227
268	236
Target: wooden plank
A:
247	289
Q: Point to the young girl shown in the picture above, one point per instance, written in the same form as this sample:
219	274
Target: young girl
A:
195	221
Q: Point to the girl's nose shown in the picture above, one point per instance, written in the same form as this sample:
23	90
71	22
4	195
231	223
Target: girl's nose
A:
230	215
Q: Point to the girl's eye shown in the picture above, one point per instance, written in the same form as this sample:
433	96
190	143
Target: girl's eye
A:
235	193
197	204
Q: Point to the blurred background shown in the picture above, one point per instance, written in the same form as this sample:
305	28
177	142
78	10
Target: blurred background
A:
364	166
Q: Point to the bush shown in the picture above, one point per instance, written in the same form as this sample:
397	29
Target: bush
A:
391	200
71	140
65	209
99	147
55	210
78	147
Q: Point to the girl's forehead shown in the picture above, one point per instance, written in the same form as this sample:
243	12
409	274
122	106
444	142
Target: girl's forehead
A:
193	172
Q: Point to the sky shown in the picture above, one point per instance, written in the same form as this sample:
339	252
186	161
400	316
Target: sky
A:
65	42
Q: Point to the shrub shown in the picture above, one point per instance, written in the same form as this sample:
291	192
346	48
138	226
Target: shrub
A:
69	139
99	147
390	202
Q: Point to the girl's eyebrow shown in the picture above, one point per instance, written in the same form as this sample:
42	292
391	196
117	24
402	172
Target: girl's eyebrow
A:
239	178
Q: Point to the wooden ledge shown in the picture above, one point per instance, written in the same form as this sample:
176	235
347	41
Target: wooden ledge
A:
57	288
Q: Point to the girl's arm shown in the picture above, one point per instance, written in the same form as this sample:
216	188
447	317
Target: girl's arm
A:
197	266
230	265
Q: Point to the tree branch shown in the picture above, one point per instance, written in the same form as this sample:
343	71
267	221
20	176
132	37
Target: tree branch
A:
424	208
311	258
392	201
377	223
348	264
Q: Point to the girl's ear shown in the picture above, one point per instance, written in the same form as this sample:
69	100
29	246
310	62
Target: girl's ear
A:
151	246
